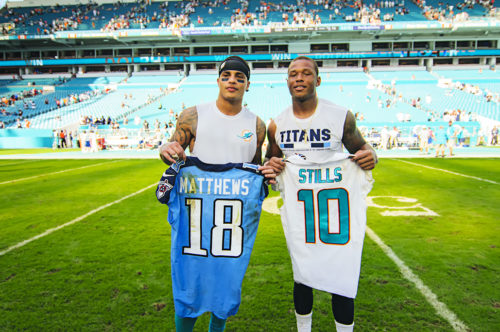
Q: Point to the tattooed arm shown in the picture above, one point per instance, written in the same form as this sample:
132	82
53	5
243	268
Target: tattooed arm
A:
184	136
364	155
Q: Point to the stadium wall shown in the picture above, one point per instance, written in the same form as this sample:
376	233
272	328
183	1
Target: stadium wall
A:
24	139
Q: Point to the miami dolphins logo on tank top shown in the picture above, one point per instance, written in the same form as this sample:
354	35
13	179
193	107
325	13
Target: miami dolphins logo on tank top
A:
246	135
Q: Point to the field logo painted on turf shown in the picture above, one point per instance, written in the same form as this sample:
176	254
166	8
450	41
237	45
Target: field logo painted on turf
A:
271	205
411	207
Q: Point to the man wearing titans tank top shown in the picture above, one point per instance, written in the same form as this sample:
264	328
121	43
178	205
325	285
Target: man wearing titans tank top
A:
315	129
219	132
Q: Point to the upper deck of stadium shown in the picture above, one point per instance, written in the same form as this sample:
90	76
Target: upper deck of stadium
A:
101	16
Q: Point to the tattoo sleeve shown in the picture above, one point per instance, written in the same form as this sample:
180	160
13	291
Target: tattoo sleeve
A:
185	130
352	138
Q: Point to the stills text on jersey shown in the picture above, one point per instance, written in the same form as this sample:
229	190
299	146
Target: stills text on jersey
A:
321	175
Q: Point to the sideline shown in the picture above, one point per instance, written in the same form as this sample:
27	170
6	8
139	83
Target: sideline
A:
51	230
446	171
408	274
58	172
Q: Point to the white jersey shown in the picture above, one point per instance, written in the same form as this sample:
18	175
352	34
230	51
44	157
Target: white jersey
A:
324	221
223	138
321	132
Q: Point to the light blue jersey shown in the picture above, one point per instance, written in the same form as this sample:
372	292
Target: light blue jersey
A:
214	213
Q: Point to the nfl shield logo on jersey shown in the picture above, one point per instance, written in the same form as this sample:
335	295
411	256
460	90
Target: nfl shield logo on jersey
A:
177	165
163	187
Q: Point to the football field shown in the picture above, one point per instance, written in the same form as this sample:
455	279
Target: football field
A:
85	245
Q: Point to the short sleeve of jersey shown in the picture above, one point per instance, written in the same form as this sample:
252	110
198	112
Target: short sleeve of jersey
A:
167	181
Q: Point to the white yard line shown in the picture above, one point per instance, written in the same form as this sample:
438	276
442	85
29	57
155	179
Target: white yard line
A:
446	171
408	274
80	218
58	172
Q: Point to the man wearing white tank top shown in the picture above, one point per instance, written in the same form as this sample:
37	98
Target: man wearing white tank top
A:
222	131
219	132
315	129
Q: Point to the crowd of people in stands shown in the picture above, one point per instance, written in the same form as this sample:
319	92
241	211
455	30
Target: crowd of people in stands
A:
137	14
451	11
184	13
487	94
424	103
69	19
7	101
75	98
29	106
95	120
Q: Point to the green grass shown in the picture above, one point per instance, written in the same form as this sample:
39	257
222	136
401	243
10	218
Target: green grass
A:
111	270
34	151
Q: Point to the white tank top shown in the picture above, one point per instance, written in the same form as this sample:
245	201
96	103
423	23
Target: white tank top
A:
224	138
316	137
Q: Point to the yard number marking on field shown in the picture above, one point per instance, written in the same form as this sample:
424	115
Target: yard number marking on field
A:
454	173
80	218
412	207
58	172
271	205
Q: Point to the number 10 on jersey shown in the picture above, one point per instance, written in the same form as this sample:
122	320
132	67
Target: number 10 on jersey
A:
331	217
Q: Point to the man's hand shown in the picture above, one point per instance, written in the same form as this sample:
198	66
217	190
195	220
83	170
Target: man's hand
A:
268	173
171	152
277	164
365	159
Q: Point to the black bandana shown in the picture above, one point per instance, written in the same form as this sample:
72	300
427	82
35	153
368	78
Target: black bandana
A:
235	63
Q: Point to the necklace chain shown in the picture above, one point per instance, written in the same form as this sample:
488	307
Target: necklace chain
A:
308	127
